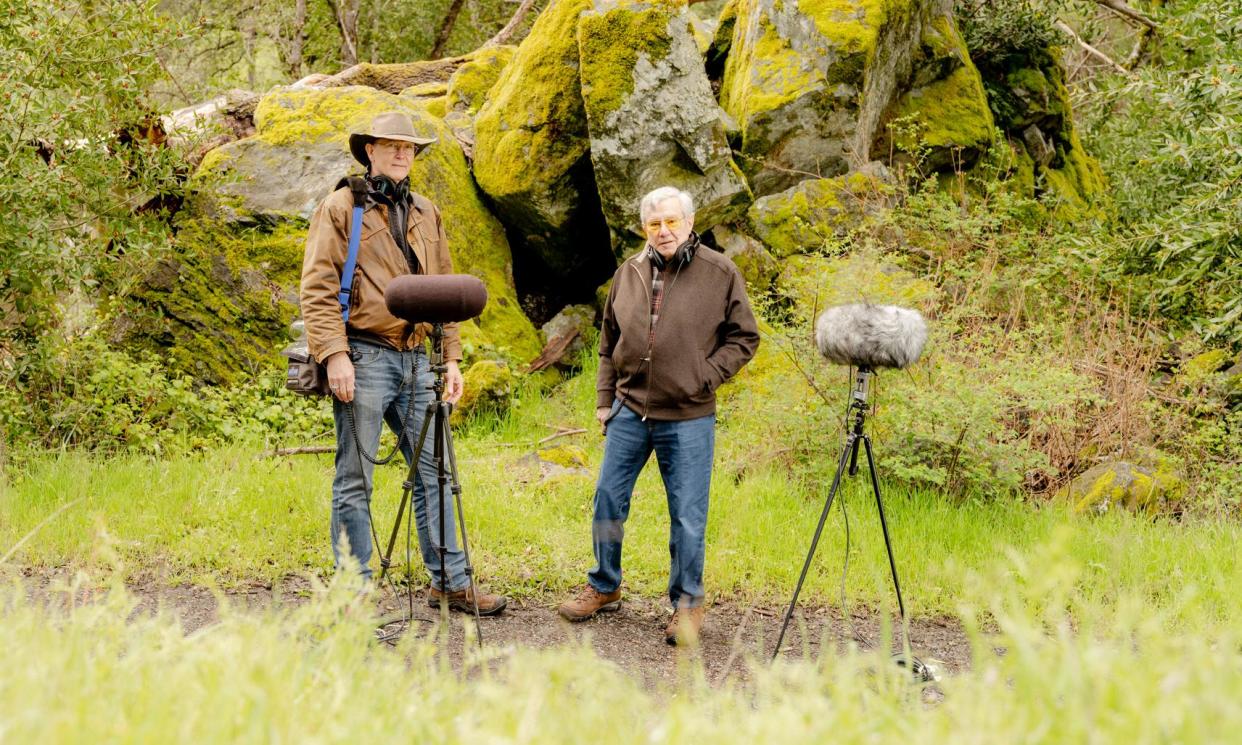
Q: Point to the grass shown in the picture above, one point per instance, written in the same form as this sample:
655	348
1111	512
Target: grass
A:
234	516
313	674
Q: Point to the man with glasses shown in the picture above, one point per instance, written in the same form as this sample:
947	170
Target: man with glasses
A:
677	324
377	365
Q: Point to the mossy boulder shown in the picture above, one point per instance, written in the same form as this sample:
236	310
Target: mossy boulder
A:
219	304
815	214
468	86
1030	103
808	81
531	153
813	283
1147	487
758	266
651	115
572	320
276	178
488	386
943	113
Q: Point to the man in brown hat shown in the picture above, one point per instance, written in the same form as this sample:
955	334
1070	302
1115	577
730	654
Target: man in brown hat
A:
370	354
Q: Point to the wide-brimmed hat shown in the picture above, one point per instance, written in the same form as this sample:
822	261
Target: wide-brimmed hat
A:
394	125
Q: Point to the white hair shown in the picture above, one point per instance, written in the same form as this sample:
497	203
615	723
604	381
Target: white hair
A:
666	192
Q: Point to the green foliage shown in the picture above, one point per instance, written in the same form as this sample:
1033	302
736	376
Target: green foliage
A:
1001	32
85	393
1168	137
77	161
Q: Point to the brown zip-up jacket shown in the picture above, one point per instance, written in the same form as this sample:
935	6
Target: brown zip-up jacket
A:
379	261
705	333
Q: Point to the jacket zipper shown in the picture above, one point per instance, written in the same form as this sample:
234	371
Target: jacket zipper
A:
651	335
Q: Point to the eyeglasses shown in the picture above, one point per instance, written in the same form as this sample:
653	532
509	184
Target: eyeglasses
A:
672	223
408	148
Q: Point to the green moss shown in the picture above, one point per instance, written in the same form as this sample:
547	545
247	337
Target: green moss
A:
299	117
952	112
1078	185
1200	367
813	215
487	386
815	282
565	456
532	128
852	26
610	43
468	87
426	90
210	306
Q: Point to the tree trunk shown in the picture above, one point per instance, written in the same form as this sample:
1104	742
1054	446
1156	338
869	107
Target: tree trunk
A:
446	29
297	40
346	13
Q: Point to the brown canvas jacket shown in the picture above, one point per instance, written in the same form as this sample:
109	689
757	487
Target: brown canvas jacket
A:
705	334
379	261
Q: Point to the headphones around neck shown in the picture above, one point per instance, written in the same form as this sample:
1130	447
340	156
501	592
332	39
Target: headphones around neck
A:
394	191
685	252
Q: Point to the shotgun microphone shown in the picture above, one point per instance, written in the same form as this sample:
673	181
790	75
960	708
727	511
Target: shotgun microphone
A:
871	336
435	298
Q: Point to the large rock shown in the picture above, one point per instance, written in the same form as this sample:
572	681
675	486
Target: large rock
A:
651	115
1138	487
531	154
814	215
1031	104
943	112
809	81
270	183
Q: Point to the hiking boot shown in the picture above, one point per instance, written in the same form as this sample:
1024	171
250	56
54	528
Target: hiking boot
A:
589	602
463	600
683	628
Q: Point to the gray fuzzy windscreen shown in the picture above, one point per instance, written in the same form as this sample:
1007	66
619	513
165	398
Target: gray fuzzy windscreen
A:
872	336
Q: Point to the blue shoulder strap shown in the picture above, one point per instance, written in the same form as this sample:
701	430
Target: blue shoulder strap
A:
357	186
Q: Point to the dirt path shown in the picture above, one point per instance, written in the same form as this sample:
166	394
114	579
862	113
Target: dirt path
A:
632	638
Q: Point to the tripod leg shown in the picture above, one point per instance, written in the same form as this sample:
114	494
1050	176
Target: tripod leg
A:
441	424
451	455
407	489
810	554
888	544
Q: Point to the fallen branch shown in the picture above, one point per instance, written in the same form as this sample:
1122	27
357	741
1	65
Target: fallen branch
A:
561	433
1065	29
304	450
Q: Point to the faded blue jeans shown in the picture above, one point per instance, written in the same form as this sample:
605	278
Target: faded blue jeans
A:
381	394
684	453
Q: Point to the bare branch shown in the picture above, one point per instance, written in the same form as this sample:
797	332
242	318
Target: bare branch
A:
1123	9
506	33
1065	29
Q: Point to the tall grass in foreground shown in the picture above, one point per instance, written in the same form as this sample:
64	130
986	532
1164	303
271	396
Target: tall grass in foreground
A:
232	517
315	674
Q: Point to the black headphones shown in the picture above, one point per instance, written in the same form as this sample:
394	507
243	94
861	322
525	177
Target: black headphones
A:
685	252
394	191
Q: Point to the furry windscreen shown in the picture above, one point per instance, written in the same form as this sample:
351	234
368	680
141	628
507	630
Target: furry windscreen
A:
871	336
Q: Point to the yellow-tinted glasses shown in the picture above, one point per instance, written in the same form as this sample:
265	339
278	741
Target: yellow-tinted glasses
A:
653	225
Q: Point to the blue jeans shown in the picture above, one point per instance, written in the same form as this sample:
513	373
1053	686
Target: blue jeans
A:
684	453
382	394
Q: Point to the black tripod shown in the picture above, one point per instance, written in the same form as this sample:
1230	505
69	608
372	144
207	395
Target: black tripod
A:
436	419
849	454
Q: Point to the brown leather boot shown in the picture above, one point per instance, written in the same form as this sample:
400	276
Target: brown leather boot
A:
683	628
589	602
463	600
